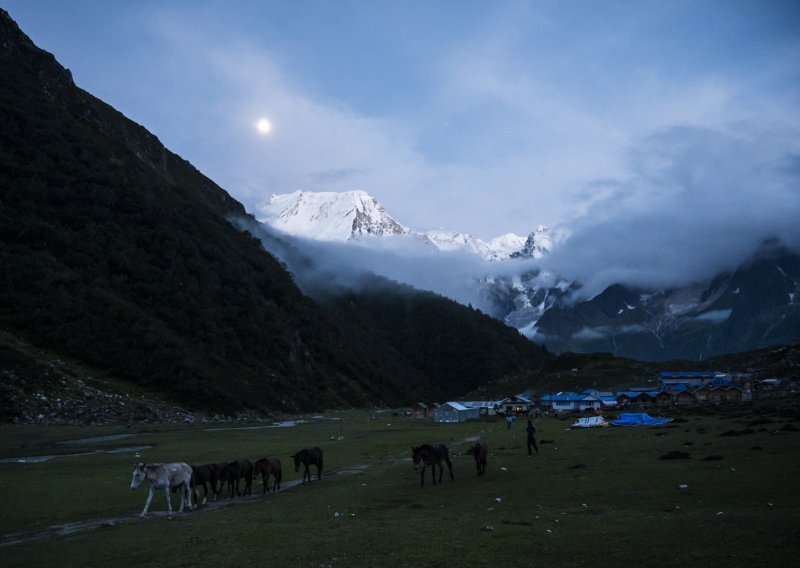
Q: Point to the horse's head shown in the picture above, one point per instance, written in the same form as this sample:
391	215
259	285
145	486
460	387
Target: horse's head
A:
473	450
139	475
416	455
297	459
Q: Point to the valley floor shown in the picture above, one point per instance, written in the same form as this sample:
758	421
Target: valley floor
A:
729	498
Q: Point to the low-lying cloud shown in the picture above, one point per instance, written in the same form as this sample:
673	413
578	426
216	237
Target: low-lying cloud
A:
696	202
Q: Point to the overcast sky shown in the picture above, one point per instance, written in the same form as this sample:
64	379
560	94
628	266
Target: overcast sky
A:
642	125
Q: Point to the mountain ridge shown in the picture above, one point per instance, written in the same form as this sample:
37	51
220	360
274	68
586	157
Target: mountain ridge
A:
353	215
119	254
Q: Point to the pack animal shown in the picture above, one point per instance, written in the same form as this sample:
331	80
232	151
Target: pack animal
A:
269	467
219	476
205	476
428	455
235	471
308	457
164	476
479	451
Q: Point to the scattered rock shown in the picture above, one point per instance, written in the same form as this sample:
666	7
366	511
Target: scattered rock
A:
745	432
675	456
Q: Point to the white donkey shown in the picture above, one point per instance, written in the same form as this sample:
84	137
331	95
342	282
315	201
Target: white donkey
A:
164	476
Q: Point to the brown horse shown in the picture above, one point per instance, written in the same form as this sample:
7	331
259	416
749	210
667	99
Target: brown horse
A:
431	455
308	457
267	467
479	451
236	470
219	476
203	476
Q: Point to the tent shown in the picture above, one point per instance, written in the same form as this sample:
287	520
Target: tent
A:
590	422
638	419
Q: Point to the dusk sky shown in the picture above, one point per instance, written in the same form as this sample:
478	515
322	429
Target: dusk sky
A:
641	126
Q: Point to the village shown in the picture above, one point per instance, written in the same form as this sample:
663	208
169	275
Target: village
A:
674	388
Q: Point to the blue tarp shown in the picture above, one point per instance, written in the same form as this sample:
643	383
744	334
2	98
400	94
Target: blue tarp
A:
638	419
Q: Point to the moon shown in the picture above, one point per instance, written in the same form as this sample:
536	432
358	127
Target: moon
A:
264	126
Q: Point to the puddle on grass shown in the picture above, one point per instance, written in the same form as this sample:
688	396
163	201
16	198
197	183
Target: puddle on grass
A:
284	424
42	459
98	439
127	449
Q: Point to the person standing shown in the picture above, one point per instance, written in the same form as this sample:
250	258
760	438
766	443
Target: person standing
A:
531	429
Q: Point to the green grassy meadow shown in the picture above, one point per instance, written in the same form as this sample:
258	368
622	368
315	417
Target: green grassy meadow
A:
600	496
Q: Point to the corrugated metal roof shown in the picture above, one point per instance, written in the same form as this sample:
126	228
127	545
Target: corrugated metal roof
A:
565	397
478	403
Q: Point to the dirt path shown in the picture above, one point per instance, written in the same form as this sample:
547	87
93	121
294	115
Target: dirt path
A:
221	503
111	522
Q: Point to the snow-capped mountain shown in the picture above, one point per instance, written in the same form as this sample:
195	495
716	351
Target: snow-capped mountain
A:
754	306
345	216
353	216
537	244
329	216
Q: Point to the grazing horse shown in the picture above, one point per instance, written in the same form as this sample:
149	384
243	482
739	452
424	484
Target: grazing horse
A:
267	467
308	457
203	476
479	451
236	470
164	476
431	455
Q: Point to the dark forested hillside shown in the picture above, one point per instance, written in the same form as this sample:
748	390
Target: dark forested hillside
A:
463	348
118	253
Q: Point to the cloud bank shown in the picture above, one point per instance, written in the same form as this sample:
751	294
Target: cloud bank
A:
696	201
662	135
664	171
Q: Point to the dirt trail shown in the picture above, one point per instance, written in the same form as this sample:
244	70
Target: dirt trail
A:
221	503
110	522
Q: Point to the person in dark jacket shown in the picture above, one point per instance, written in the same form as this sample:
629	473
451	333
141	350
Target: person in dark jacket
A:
531	429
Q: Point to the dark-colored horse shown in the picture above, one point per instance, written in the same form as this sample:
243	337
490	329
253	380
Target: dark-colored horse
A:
203	476
267	467
308	457
431	455
236	470
219	476
479	451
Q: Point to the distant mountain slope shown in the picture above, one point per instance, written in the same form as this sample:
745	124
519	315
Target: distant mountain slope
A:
120	254
463	348
755	306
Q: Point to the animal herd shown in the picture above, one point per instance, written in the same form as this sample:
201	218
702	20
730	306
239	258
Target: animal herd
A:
185	479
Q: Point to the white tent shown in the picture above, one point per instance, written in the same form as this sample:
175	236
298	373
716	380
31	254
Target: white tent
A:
590	422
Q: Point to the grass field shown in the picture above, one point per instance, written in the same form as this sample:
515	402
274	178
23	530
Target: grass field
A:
590	497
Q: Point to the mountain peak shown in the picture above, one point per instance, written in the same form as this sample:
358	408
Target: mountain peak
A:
537	244
329	216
